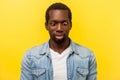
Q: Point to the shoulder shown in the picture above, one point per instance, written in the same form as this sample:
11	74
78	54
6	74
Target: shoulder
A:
37	50
82	50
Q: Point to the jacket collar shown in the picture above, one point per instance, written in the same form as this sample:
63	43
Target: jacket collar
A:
46	49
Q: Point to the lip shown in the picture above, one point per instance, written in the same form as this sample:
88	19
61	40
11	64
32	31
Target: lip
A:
59	36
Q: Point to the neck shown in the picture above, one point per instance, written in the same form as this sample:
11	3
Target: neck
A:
59	47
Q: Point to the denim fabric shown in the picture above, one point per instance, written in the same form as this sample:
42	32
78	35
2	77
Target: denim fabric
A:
37	65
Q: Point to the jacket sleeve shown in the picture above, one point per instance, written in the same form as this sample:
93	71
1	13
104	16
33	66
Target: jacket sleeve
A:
92	68
26	73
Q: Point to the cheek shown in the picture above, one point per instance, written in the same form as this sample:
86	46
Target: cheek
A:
51	32
67	31
52	29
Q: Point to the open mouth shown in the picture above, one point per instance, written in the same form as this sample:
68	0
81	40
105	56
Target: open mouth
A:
59	36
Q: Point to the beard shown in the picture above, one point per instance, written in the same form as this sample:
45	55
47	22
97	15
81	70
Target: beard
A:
58	41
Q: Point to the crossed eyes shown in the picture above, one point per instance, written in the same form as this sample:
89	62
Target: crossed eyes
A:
54	23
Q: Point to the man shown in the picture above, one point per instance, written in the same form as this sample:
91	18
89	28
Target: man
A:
59	58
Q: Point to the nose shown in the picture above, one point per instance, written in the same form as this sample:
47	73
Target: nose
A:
59	26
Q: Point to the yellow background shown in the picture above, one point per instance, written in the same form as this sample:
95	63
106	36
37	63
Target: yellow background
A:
96	24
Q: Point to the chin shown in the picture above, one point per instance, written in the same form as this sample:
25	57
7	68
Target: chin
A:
59	41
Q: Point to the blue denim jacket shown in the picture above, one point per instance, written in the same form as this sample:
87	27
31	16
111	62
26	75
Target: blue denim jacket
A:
37	65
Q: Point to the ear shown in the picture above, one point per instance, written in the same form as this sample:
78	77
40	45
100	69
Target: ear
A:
46	25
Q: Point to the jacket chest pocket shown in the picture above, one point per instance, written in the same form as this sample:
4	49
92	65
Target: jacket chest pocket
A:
39	74
81	74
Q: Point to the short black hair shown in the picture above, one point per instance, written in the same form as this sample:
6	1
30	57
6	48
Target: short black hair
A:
59	6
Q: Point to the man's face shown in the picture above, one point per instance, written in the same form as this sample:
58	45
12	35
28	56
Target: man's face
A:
58	25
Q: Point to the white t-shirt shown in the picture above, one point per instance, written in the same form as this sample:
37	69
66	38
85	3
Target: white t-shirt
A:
59	64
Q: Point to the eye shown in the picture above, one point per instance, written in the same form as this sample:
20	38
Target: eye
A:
52	23
65	23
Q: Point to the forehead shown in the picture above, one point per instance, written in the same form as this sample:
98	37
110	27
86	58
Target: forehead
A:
58	15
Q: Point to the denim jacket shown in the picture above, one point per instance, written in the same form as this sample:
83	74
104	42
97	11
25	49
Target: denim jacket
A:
37	65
